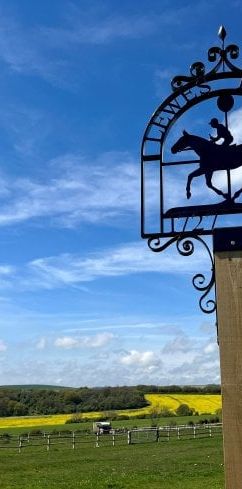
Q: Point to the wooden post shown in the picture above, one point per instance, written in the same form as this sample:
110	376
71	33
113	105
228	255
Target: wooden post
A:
48	443
129	438
19	444
97	440
228	274
73	440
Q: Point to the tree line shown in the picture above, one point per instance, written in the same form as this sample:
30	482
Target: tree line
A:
21	401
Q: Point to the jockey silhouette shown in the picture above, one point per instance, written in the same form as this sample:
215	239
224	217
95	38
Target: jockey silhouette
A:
222	133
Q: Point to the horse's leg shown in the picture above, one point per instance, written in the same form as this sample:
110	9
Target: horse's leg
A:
237	194
195	173
208	176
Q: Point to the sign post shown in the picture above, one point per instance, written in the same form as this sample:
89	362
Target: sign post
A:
203	167
228	274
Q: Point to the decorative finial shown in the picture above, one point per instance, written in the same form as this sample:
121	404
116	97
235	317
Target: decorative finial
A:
222	33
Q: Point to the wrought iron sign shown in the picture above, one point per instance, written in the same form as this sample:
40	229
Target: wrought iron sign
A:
191	159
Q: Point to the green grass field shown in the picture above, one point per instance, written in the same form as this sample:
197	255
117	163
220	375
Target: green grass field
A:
177	464
127	423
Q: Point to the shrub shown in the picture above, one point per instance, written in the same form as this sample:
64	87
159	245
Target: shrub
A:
184	410
190	423
76	418
37	432
165	412
214	419
5	437
203	421
172	423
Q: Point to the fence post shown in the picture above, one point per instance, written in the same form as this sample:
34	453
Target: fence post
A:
19	444
73	440
168	434
114	439
97	440
129	438
194	432
157	434
178	433
48	443
210	430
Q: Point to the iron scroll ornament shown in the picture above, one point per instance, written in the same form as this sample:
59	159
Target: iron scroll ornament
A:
186	247
186	224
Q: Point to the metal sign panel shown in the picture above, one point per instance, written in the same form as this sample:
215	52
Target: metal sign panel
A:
191	155
191	162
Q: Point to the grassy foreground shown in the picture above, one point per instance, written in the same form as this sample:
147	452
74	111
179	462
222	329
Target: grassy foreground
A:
178	464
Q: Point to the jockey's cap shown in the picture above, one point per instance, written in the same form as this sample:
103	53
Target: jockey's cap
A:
213	121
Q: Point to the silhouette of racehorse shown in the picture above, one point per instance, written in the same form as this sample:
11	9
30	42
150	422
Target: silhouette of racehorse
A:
213	157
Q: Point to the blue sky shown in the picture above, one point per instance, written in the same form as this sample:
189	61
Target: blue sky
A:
83	301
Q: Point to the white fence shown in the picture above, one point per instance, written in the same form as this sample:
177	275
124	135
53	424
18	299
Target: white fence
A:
76	439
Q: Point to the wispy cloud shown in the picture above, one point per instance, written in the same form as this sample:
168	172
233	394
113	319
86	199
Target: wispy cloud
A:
133	258
197	364
83	29
26	128
97	341
79	190
235	125
3	346
68	270
48	51
41	343
22	49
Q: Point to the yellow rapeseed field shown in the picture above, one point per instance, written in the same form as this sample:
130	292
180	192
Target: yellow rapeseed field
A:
51	420
206	403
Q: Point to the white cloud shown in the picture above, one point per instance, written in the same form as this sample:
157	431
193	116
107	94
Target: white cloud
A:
41	343
139	358
98	31
66	342
114	366
235	125
3	346
82	191
180	344
49	51
6	270
67	269
24	51
97	341
212	347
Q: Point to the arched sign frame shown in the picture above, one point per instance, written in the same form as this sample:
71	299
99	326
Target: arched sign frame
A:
187	92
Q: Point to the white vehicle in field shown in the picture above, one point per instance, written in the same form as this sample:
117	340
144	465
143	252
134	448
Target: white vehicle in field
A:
102	427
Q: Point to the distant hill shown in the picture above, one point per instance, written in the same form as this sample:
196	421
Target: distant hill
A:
35	386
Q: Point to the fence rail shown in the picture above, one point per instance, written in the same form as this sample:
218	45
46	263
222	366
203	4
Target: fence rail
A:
76	439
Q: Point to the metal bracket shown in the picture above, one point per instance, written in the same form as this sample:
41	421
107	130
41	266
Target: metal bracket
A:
227	239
